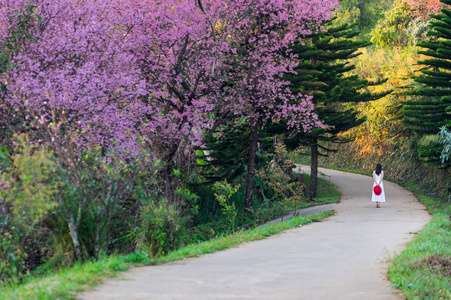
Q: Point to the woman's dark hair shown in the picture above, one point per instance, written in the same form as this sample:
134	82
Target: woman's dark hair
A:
378	169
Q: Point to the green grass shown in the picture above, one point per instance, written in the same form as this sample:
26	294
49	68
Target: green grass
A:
409	271
327	192
412	275
67	282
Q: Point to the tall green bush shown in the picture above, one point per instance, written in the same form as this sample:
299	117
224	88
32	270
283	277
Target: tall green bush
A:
27	188
31	184
399	27
278	178
96	193
161	228
223	192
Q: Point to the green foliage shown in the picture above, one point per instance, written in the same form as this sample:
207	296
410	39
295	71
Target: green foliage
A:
392	30
226	155
430	102
223	192
366	13
98	201
387	36
324	73
279	179
212	223
161	228
190	198
32	184
349	12
383	125
103	208
27	187
12	257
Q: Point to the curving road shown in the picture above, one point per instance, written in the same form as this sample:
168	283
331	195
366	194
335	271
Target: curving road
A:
344	257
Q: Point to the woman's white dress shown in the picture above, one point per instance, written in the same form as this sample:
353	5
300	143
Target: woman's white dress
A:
381	197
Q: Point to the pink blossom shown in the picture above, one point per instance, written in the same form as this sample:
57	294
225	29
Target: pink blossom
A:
117	72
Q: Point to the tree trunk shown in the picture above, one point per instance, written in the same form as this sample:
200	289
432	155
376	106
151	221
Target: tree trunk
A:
75	240
97	246
314	168
250	181
169	183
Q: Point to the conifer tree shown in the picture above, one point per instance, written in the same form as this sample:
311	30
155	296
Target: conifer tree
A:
323	74
225	154
430	106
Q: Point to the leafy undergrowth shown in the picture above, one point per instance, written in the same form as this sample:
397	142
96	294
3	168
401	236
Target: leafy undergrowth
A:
65	283
327	193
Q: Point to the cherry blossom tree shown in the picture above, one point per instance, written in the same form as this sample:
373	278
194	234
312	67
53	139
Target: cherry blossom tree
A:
230	63
132	75
73	87
157	74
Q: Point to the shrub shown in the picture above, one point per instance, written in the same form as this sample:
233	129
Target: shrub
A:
12	264
405	23
391	30
96	199
31	184
278	177
27	188
223	192
161	228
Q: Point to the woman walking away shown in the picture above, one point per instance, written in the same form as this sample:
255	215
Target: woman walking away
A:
378	194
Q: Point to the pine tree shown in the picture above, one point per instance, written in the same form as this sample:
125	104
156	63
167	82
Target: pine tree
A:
430	106
323	73
225	155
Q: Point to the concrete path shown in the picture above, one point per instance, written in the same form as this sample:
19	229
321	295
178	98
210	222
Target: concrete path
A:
344	257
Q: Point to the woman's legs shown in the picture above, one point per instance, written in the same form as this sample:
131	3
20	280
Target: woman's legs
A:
377	204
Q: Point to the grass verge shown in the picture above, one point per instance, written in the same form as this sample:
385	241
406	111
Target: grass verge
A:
65	283
423	269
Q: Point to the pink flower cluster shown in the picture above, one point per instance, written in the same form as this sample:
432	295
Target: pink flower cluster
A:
5	186
117	72
3	208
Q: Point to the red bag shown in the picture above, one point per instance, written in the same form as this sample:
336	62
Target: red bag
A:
377	190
